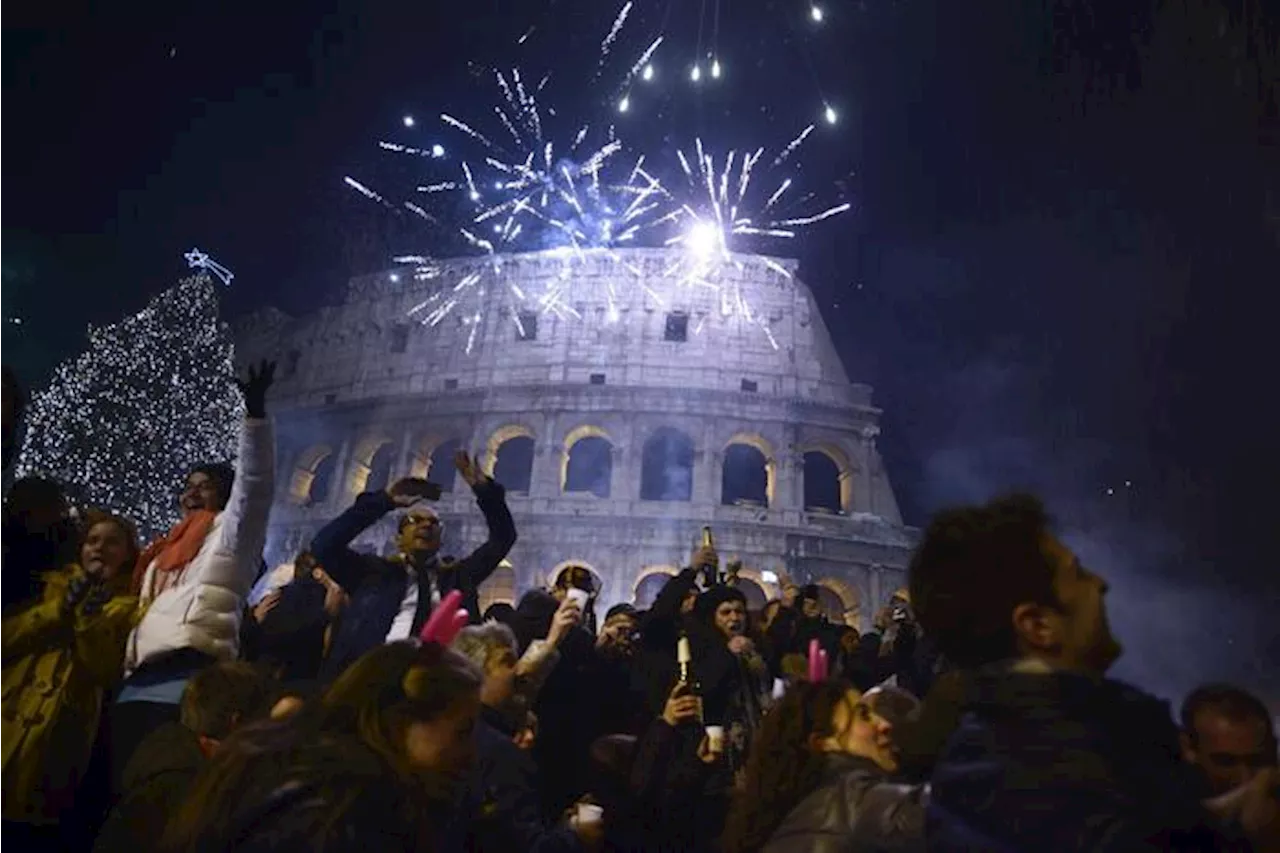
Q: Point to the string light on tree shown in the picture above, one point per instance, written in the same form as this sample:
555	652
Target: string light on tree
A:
124	422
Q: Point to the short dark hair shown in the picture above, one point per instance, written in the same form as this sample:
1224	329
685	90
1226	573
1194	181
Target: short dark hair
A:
575	576
221	697
972	568
223	476
1234	703
32	494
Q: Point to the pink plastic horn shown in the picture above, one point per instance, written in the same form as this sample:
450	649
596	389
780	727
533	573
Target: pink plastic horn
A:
817	661
446	621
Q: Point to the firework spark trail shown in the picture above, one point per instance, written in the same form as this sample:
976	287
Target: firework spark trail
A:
524	38
792	146
365	191
745	178
641	62
471	184
777	194
817	217
607	44
466	128
506	91
506	122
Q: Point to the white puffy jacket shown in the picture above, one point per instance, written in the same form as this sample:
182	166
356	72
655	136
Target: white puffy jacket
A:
202	609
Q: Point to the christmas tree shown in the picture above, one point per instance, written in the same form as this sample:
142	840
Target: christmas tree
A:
123	423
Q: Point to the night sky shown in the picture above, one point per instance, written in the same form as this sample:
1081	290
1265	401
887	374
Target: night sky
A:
1060	272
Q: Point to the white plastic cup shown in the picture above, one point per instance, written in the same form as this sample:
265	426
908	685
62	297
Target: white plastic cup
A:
589	813
715	739
579	597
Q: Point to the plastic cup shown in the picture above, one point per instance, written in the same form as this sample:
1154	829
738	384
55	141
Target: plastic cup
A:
590	813
715	738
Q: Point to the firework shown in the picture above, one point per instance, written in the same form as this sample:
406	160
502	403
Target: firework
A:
510	183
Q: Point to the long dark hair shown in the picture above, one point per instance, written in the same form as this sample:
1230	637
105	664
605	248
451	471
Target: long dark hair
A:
783	767
345	751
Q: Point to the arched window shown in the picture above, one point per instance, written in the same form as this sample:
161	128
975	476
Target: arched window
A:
666	467
513	464
441	470
375	450
498	587
746	476
312	477
838	600
649	587
821	483
379	476
833	606
589	466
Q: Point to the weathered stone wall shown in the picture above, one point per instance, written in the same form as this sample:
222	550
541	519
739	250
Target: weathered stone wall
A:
757	367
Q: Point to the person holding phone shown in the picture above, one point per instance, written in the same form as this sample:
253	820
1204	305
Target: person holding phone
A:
392	597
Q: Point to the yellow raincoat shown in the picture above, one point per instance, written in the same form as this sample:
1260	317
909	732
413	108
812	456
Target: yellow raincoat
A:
57	664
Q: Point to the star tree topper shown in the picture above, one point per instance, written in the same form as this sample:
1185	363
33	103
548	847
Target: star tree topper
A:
198	260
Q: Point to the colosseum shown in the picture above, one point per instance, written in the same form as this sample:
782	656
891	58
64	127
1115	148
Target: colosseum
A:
623	401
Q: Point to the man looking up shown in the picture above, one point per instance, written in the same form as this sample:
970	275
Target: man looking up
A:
391	598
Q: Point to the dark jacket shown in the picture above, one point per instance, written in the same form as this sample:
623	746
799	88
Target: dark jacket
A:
326	793
1063	762
678	802
156	781
291	637
854	809
377	585
503	789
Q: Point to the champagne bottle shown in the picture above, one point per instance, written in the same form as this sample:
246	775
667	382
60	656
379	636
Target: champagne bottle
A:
687	685
711	572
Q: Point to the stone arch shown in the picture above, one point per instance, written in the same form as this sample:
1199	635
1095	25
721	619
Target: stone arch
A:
586	461
373	450
666	466
836	594
838	459
509	457
433	461
312	478
554	573
748	470
498	587
649	583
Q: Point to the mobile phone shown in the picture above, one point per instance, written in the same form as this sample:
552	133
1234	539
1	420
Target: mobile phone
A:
426	490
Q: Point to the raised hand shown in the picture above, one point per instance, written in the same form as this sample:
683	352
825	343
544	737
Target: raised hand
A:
468	468
76	592
96	600
254	389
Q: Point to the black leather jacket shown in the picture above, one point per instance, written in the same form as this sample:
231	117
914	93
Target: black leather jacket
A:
854	809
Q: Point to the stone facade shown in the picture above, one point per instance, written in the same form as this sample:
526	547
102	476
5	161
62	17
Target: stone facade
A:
607	350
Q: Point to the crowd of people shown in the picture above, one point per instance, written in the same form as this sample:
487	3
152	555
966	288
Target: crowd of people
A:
146	706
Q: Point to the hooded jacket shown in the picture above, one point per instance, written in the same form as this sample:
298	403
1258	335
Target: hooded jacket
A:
59	662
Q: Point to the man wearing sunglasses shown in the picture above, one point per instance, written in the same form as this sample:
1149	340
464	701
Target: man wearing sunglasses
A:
391	597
